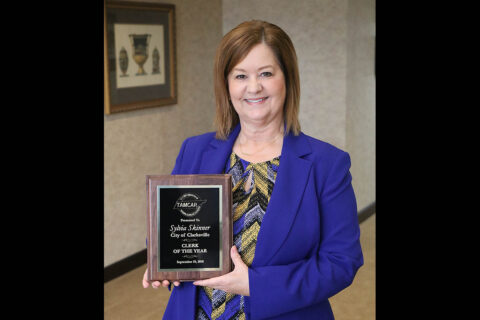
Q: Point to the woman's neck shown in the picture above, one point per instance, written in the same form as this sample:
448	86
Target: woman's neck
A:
257	135
259	144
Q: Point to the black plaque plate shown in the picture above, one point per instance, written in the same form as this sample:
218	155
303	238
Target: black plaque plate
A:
189	226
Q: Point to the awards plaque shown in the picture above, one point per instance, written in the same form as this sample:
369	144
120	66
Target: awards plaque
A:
189	226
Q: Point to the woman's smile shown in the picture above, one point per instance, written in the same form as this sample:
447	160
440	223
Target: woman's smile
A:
256	101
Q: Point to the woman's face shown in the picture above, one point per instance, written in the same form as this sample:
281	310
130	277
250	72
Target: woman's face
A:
257	87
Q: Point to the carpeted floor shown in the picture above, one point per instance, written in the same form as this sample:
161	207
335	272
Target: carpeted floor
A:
125	298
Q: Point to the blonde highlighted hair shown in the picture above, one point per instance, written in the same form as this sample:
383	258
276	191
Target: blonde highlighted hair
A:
233	48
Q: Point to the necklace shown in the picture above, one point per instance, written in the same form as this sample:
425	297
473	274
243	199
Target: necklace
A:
263	147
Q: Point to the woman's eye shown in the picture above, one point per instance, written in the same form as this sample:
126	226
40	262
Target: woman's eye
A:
266	74
240	76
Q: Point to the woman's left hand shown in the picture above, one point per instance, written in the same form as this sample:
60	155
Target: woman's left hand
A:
234	282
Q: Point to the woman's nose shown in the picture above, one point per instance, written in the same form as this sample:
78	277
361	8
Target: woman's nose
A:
254	85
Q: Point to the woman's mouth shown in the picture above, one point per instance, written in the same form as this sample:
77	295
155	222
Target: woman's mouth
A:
259	100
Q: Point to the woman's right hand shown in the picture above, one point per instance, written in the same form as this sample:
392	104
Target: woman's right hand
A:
156	284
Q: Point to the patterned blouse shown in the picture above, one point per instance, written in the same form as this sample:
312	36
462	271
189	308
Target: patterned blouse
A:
252	187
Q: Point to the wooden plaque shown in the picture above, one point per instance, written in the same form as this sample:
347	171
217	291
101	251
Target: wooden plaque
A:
189	226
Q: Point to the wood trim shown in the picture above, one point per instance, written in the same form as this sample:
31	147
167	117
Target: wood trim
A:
366	212
125	265
106	82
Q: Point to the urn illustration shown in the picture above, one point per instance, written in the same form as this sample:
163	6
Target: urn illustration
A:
140	50
156	61
123	62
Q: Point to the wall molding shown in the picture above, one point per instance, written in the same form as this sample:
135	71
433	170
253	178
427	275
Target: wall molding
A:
140	258
125	265
366	212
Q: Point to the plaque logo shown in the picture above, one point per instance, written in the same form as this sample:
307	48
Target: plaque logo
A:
189	204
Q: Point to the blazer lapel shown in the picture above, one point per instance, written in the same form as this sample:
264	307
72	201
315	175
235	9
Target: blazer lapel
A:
215	158
286	196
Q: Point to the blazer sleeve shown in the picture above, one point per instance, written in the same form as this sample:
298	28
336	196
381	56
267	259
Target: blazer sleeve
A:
278	289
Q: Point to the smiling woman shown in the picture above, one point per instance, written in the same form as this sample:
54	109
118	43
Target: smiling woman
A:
257	92
295	224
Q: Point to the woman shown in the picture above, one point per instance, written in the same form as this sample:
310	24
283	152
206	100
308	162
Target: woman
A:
296	230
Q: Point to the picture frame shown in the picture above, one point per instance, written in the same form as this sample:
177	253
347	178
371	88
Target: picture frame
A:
139	55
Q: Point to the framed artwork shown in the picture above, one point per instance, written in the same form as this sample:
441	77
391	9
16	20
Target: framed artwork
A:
139	50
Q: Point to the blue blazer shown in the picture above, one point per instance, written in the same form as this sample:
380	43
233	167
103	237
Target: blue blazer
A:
308	246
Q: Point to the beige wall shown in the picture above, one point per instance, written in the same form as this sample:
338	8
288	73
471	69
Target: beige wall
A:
334	44
147	141
360	120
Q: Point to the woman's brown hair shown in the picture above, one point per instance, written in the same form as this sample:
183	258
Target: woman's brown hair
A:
233	48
